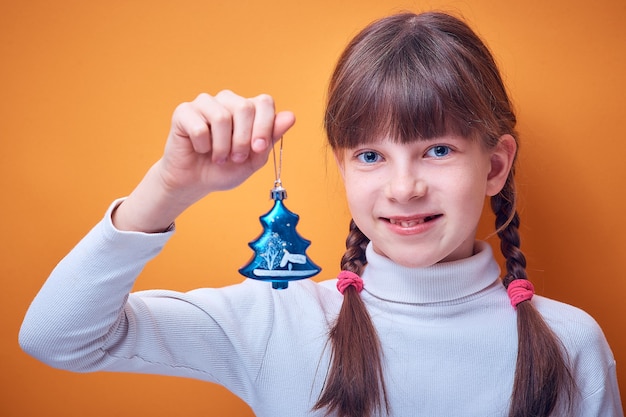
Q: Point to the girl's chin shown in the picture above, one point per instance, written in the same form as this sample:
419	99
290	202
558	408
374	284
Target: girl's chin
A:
425	258
408	260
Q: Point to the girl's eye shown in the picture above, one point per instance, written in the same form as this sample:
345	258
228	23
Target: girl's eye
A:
368	157
438	151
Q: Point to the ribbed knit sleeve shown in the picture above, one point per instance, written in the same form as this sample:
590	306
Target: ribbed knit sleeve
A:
82	300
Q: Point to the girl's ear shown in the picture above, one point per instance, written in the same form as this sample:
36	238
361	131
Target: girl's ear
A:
502	157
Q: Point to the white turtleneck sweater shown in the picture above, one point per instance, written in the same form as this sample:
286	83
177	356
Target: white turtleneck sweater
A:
448	332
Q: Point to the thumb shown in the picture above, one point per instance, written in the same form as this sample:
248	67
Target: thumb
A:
283	121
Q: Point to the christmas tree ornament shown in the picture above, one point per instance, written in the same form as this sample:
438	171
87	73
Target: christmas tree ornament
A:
279	251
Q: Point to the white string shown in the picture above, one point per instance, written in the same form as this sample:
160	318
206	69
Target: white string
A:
278	168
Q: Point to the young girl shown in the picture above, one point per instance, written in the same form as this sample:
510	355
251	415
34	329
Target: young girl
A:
418	322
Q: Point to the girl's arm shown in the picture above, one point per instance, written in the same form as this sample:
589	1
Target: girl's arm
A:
215	143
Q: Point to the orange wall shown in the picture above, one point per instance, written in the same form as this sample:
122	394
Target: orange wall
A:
88	89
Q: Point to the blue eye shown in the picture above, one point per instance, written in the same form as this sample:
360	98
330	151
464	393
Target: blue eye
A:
438	151
368	157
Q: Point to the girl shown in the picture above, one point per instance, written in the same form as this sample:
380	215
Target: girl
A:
422	130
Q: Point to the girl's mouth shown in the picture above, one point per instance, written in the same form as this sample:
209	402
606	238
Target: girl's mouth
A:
414	221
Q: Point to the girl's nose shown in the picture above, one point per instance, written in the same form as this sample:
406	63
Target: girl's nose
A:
405	185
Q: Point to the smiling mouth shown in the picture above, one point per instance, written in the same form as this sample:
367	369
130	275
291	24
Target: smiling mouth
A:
413	222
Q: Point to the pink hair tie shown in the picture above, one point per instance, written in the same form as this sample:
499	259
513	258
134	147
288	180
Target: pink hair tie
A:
520	290
346	279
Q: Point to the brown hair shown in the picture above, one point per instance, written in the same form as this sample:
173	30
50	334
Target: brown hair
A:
412	77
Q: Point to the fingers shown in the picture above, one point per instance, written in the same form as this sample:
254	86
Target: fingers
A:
231	127
235	145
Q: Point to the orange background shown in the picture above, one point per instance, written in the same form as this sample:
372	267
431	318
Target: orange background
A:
87	92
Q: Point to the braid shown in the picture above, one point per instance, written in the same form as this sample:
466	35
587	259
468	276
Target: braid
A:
507	227
354	257
542	375
355	385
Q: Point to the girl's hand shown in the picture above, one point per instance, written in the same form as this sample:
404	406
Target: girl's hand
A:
215	143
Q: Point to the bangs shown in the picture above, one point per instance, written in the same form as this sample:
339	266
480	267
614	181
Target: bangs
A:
413	83
403	105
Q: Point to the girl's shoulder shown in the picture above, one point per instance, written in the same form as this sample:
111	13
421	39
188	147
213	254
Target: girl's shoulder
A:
579	332
591	360
560	312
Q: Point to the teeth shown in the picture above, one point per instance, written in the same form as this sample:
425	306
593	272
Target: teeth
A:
406	223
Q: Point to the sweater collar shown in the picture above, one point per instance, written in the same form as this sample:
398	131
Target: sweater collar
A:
446	281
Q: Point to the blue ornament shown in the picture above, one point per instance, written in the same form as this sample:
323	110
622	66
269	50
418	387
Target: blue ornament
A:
279	251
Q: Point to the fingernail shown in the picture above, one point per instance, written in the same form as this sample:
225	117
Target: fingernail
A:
259	144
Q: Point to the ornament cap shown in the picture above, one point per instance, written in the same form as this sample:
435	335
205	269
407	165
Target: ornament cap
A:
278	193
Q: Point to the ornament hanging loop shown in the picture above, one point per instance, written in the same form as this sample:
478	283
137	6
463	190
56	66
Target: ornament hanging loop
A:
278	192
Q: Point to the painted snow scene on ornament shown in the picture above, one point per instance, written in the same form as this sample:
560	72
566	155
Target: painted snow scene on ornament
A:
279	252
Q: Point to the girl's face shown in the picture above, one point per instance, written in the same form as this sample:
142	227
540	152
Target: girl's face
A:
420	203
